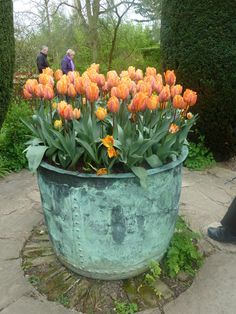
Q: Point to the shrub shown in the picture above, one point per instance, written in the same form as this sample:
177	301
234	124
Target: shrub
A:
13	137
198	41
7	55
199	157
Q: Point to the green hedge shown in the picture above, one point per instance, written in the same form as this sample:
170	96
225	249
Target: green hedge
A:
198	40
7	55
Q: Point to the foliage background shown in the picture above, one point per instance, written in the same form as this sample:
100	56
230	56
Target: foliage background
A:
198	41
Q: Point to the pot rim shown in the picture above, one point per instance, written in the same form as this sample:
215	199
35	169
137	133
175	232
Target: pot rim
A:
170	165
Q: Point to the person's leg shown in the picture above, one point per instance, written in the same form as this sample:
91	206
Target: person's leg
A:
227	232
229	220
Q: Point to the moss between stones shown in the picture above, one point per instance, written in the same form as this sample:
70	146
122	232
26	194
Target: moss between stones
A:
86	295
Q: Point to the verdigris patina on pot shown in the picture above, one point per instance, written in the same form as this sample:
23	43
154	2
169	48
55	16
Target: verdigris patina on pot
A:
109	227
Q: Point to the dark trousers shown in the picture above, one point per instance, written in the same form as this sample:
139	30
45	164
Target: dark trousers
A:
229	220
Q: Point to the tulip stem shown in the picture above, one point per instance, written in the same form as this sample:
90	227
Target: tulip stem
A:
50	105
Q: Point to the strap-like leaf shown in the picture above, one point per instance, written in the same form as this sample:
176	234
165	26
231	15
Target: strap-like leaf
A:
35	155
141	173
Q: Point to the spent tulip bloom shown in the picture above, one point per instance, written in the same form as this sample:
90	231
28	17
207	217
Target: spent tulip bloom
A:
102	171
173	128
113	104
112	152
108	141
189	115
101	113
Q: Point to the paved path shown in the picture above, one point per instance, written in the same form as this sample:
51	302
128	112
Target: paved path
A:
205	198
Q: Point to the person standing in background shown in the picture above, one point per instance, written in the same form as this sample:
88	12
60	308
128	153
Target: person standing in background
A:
67	63
42	62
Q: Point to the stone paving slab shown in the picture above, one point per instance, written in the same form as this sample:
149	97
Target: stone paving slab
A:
213	291
28	305
13	285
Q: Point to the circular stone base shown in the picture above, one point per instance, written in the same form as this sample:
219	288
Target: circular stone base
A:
51	278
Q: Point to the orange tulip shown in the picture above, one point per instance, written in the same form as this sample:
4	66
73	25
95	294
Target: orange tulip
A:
101	80
112	79
71	77
71	91
30	85
173	128
93	75
113	104
48	71
139	102
62	87
101	113
190	97
61	107
108	141
159	78
102	171
124	74
48	92
165	94
95	67
26	94
170	77
144	87
138	75
176	90
80	85
45	79
178	102
68	113
122	91
105	88
58	75
76	113
152	102
92	92
114	91
151	71
132	72
112	152
158	86
39	90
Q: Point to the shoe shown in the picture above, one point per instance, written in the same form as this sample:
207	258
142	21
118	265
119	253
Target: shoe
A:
221	234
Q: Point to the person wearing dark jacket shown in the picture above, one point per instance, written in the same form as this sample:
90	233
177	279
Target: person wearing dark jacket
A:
42	62
227	231
67	63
